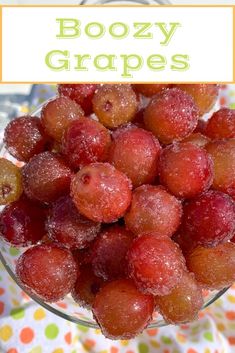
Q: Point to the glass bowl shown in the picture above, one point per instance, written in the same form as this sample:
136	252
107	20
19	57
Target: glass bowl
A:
67	308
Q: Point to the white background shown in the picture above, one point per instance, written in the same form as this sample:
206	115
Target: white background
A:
206	35
72	2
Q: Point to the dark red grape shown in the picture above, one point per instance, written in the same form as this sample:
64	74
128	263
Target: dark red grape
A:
221	124
24	137
46	177
210	218
68	227
47	270
22	223
109	251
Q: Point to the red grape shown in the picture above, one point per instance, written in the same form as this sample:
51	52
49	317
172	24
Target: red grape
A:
57	114
10	182
86	287
214	268
109	252
47	270
80	93
84	142
24	137
135	152
68	227
204	95
121	310
155	264
183	303
221	124
115	105
153	209
171	115
223	156
22	223
46	177
186	170
210	218
149	90
101	192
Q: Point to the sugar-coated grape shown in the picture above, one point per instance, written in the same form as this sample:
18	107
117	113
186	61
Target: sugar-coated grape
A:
57	114
80	93
109	252
10	182
115	105
46	177
197	139
183	303
155	263
210	218
214	268
85	141
135	152
186	169
47	270
149	90
24	137
101	192
121	310
68	227
86	287
223	156
221	124
171	115
204	95
153	209
22	223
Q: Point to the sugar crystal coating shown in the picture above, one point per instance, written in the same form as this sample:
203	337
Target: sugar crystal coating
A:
121	310
171	115
221	124
46	177
153	209
57	114
68	227
135	152
210	218
101	192
115	105
186	170
47	270
10	182
85	141
155	264
24	137
204	95
214	268
183	303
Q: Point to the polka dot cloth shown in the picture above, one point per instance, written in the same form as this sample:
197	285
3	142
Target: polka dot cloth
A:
25	327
